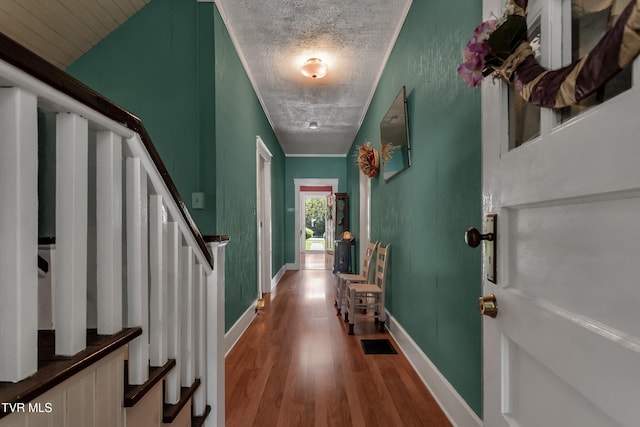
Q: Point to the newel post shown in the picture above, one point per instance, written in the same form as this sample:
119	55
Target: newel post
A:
216	331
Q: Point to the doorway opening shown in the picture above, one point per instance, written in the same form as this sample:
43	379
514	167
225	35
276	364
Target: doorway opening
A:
315	213
313	253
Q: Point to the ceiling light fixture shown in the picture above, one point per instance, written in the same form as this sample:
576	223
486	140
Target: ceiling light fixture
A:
314	68
313	125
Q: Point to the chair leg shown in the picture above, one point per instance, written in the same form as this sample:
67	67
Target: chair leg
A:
352	308
381	325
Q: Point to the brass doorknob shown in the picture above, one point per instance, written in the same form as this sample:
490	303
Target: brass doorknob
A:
488	305
473	237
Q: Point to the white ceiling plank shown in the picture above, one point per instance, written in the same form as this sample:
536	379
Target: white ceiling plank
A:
138	4
30	38
52	16
112	7
126	7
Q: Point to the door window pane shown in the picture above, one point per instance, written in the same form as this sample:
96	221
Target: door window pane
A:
590	19
524	118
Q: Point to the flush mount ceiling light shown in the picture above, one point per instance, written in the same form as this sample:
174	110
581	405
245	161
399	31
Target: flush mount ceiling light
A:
313	125
314	68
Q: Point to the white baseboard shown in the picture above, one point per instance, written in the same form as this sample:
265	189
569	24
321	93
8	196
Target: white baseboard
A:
238	328
241	325
292	266
453	405
276	279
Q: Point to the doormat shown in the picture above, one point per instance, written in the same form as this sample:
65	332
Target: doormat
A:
382	346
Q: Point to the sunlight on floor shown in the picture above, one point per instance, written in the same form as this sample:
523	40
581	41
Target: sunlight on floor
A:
314	289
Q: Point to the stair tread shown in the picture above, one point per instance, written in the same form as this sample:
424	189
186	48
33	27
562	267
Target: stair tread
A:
170	412
133	393
54	369
199	421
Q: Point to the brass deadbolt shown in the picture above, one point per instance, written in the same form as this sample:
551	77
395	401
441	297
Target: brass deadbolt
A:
488	305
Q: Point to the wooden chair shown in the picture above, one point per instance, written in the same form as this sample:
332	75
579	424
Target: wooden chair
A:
343	278
366	300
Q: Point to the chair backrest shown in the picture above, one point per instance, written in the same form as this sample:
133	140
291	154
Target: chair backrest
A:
366	261
382	262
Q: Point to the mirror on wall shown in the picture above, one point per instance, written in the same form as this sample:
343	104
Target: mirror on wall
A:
394	137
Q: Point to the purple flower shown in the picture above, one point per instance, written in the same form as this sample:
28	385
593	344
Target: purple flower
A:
484	30
475	53
471	75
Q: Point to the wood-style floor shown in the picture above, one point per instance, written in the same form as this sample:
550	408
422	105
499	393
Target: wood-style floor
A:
297	366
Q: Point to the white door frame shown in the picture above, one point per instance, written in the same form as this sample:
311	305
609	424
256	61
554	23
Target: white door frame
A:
263	215
299	182
365	215
303	203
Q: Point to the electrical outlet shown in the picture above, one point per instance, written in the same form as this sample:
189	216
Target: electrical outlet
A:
197	200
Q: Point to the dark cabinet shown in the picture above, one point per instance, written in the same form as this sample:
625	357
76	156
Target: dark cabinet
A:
341	207
343	244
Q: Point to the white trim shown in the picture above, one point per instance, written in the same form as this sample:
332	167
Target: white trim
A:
303	202
243	60
278	276
241	325
292	266
238	328
365	215
392	45
453	405
263	217
299	182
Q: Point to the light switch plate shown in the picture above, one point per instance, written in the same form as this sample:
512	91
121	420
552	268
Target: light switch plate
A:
490	248
197	200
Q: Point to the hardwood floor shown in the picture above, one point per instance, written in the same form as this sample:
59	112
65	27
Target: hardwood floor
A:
296	366
316	261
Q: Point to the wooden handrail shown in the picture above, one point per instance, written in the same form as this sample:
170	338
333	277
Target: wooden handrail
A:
32	64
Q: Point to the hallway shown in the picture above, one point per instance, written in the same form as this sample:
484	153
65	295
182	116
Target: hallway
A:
296	366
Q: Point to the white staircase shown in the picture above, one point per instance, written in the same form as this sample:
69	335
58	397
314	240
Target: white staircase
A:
146	292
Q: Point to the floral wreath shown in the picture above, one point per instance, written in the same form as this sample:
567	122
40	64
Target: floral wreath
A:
386	149
368	160
501	47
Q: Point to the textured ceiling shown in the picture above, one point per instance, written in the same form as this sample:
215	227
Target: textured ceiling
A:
273	39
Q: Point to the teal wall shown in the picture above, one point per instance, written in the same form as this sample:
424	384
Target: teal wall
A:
174	66
158	65
239	118
307	168
434	281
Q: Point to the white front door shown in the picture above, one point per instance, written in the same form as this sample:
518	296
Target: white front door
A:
564	349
